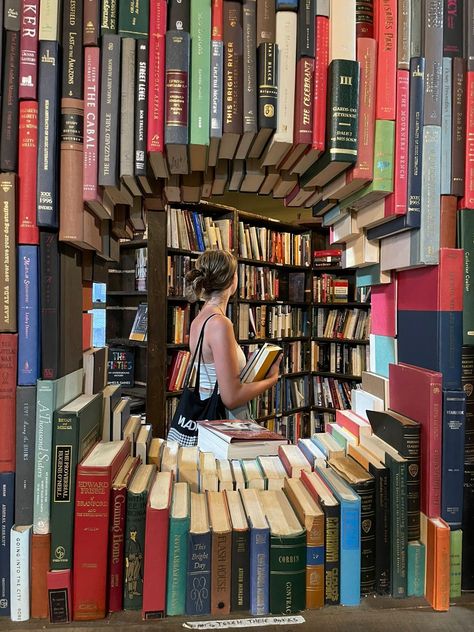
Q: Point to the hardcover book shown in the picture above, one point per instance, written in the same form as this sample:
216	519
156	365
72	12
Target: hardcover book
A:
72	36
20	560
60	596
7	507
49	301
9	123
221	552
40	553
198	577
25	453
133	20
240	556
465	232
28	316
178	549
109	111
452	476
8	281
27	161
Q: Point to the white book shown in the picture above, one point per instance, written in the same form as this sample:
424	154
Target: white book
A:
362	401
20	564
342	30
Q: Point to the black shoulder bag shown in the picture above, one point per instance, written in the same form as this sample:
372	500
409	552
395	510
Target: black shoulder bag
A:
191	407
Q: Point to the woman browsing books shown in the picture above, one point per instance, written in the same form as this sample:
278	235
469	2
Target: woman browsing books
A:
217	356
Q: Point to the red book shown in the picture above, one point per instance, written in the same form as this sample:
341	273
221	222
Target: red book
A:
156	546
417	393
320	82
469	166
386	25
91	527
59	596
118	504
86	331
156	74
91	122
447	233
217	22
28	50
27	165
8	371
174	370
383	312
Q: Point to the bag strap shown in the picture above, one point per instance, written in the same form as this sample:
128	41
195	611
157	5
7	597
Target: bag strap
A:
198	353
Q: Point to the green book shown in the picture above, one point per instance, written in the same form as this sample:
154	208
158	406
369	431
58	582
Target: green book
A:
287	554
134	18
398	524
382	183
416	569
466	241
456	560
200	89
76	429
137	496
178	550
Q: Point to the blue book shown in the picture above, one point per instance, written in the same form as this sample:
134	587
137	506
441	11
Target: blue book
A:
7	500
259	553
350	549
446	126
28	316
382	353
198	231
332	216
369	275
416	569
198	576
452	468
286	5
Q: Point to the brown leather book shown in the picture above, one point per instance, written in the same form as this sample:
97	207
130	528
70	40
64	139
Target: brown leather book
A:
221	530
447	235
40	552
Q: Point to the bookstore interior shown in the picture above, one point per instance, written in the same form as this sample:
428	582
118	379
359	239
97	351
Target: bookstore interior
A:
328	146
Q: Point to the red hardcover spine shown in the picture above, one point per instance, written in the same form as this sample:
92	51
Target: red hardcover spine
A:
400	192
217	20
91	121
27	164
59	596
304	101
28	50
118	503
91	537
155	568
320	82
8	372
386	60
469	167
367	57
156	74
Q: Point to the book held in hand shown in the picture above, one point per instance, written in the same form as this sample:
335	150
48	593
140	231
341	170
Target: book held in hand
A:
260	363
237	439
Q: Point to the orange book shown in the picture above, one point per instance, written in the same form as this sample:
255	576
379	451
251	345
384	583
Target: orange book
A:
86	331
87	296
40	553
438	563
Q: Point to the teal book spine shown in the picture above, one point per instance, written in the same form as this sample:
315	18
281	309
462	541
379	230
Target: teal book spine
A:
200	91
177	563
416	569
430	195
398	526
134	550
45	396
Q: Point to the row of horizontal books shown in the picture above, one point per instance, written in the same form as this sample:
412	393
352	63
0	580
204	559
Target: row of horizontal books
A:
274	246
196	232
333	357
349	324
267	321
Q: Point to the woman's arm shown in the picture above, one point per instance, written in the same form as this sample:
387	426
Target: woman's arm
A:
220	338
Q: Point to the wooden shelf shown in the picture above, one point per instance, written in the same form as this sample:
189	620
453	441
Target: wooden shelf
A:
276	301
126	342
251	341
293	411
134	243
126	293
173	393
175	345
338	376
295	374
134	391
349	341
270	264
349	304
186	253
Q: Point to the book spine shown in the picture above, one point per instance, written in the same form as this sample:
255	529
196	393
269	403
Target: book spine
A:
367	537
133	19
177	87
240	577
48	111
467	577
49	301
40	552
468	39
415	143
49	23
452	477
45	397
415	570
404	34
217	24
303	126
343	93
386	93
416	28
320	83
8	367
400	192
60	596
453	31
155	566
8	272
134	550
398	528
177	555
11	15
91	122
265	21
469	155
456	563
9	124
91	531
198	578
72	66
221	551
127	106
465	225
430	194
305	46
20	554
233	68
141	114
217	68
259	571
25	449
179	16
28	50
118	504
446	126
433	54
28	316
315	564
267	54
382	531
27	160
249	70
156	77
350	558
287	574
109	111
199	93
7	507
108	17
91	27
458	119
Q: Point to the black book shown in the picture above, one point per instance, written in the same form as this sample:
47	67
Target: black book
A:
332	534
9	131
240	571
47	193
249	78
109	153
108	17
25	453
70	313
49	293
453	36
469	33
121	366
72	73
403	434
179	15
267	96
141	78
415	141
467	381
12	22
306	25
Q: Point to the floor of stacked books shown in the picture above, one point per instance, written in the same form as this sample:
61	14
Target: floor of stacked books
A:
373	615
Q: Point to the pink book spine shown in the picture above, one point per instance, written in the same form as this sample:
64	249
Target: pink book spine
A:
383	309
28	50
430	492
469	165
91	121
401	143
387	60
156	88
320	82
116	554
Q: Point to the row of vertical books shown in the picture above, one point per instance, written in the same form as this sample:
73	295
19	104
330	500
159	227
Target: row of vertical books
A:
274	246
349	324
